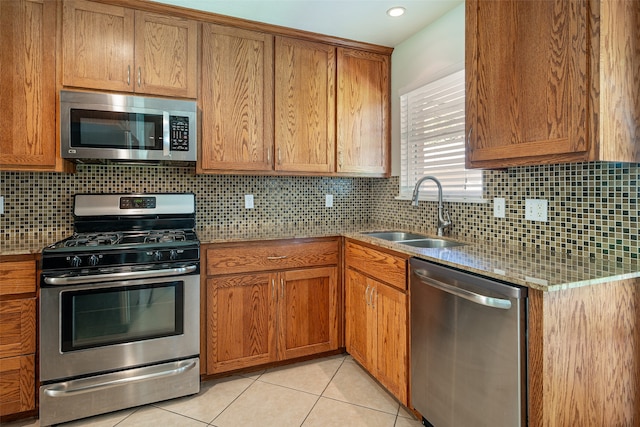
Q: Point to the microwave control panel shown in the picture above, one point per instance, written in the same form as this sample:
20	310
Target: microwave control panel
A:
179	128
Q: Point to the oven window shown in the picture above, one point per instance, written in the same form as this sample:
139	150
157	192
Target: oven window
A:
108	129
101	317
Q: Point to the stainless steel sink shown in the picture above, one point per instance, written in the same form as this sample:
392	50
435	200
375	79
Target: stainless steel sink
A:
431	243
394	236
413	239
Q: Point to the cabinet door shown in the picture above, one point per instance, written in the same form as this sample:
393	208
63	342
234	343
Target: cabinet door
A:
527	82
390	306
97	44
308	312
241	319
166	51
304	106
17	384
236	100
363	113
27	82
360	319
17	327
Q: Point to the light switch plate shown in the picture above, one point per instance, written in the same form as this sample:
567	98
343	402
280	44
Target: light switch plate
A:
328	201
248	201
499	207
536	210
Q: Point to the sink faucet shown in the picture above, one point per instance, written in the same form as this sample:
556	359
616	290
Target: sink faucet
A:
444	220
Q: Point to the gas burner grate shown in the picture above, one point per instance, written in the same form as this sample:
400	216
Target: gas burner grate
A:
164	236
82	240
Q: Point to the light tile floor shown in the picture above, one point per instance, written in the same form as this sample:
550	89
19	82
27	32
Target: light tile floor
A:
333	391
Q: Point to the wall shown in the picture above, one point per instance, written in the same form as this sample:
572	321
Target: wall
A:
42	202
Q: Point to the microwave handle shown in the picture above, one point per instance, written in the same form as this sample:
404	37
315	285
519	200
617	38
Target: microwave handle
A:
166	133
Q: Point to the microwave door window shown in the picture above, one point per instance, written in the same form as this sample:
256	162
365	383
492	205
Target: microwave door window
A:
131	131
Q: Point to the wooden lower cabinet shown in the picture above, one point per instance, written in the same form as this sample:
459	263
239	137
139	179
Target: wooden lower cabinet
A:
376	318
17	336
259	317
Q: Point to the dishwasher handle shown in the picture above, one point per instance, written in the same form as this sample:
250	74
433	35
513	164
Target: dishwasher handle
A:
485	300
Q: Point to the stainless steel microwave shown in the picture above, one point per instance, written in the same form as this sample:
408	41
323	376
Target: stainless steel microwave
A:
101	126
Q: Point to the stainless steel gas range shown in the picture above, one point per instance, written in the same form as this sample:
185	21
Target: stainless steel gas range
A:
120	306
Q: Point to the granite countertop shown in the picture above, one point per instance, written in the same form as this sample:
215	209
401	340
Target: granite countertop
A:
539	269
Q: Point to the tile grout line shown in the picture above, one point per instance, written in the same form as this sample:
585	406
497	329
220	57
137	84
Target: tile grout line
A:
323	390
210	424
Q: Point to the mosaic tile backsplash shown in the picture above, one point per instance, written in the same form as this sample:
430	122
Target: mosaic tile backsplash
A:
593	207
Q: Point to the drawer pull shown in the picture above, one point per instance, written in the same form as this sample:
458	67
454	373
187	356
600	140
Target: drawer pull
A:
272	258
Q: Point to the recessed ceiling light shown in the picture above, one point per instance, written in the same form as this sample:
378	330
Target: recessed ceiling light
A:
396	11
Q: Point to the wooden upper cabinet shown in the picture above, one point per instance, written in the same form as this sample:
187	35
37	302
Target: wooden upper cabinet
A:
363	113
166	55
541	90
115	48
236	100
27	85
304	106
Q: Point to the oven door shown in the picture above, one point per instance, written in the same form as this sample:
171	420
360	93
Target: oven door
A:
103	326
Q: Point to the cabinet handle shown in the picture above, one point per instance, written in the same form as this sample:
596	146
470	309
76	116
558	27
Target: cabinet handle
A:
373	302
128	75
366	295
273	288
279	157
282	288
269	155
271	258
139	77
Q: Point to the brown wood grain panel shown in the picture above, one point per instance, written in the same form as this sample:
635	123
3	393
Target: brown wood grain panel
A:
383	266
308	322
619	95
98	46
362	110
166	55
268	256
585	347
392	346
304	105
528	91
27	85
360	320
241	321
236	100
17	327
17	277
17	384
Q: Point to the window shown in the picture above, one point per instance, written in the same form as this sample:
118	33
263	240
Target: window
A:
433	141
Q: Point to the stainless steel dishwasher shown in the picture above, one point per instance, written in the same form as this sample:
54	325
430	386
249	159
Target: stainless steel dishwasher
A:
468	348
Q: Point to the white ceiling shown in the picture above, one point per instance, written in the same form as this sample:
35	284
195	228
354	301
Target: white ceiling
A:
361	20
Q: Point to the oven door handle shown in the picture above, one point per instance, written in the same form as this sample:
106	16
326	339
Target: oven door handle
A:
126	275
86	385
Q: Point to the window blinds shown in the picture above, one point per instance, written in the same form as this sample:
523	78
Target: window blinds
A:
433	140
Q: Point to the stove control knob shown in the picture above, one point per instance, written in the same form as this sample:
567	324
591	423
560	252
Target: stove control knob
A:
75	261
157	256
173	254
93	260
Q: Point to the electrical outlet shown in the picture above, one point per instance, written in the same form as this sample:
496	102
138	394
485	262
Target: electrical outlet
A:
248	201
536	210
328	201
499	207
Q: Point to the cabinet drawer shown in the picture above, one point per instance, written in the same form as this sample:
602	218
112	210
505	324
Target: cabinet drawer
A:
17	327
382	266
17	384
266	256
17	277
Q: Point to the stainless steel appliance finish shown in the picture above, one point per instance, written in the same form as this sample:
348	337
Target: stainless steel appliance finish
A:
468	348
120	306
126	128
